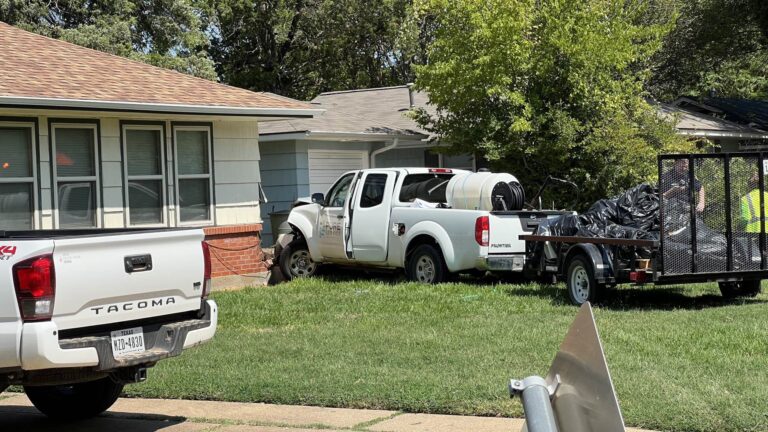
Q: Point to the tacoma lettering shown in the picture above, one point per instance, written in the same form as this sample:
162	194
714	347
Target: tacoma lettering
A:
129	306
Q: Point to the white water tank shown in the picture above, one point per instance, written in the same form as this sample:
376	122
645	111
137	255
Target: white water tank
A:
485	191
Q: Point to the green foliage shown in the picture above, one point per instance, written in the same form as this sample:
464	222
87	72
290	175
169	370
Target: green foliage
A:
299	48
167	33
547	87
718	46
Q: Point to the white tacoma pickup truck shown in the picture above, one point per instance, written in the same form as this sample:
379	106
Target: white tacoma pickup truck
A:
432	222
84	312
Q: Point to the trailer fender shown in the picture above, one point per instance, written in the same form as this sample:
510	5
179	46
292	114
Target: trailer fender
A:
597	255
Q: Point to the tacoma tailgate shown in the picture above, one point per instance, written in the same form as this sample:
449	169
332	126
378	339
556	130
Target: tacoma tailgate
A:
109	278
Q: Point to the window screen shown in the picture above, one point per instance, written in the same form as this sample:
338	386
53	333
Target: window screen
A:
16	178
75	153
193	149
144	158
373	190
76	176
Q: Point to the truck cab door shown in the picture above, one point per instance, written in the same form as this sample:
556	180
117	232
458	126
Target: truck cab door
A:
369	220
330	222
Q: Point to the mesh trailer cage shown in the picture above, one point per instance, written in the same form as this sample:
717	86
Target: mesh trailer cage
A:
712	216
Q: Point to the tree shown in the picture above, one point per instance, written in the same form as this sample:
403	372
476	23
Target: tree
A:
299	48
547	87
718	46
167	33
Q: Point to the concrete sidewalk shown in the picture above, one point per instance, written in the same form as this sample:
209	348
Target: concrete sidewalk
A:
160	415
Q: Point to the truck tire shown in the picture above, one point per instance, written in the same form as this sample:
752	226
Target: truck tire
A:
426	265
75	401
747	288
295	260
580	281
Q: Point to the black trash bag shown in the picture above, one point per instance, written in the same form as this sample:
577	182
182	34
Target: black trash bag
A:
631	215
712	246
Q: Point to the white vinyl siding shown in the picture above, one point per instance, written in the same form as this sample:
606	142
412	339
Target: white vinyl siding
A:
77	197
194	183
144	173
18	179
325	167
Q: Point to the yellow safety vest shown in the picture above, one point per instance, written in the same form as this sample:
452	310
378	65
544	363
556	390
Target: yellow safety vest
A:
750	211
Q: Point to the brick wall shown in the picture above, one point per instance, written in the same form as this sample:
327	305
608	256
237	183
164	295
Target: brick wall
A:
235	250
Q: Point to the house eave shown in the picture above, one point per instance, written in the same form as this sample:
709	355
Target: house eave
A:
722	134
124	106
338	136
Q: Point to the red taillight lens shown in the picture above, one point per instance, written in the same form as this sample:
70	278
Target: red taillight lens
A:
482	230
35	283
207	270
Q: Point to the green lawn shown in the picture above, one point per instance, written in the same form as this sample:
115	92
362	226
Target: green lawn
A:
682	358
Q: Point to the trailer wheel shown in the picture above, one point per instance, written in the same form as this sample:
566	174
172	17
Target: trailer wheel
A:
580	282
426	265
747	288
295	260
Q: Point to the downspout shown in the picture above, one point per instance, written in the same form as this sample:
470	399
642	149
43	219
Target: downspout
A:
377	152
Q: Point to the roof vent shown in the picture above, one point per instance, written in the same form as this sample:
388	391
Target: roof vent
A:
412	104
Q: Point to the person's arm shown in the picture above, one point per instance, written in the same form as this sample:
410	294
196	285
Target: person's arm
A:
702	200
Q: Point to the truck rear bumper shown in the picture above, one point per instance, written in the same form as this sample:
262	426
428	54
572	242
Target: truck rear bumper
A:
42	348
511	262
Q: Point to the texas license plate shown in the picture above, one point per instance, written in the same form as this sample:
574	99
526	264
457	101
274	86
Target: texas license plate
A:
127	341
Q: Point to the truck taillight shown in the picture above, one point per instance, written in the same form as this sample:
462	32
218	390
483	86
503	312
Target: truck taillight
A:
482	230
35	283
207	271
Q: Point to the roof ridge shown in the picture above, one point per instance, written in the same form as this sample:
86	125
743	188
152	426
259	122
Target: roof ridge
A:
139	62
363	90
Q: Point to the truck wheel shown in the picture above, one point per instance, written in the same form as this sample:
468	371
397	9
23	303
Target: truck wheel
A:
426	265
747	288
581	283
75	401
295	260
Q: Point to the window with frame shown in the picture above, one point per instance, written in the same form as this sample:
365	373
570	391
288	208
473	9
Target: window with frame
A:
76	175
373	190
193	174
144	175
338	193
17	177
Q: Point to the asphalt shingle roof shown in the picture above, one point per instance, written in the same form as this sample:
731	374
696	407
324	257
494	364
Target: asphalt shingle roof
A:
367	111
742	110
695	123
35	66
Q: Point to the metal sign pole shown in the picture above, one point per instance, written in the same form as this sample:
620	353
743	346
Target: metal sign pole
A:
537	403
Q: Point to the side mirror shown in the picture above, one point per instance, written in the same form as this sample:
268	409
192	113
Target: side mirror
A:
318	198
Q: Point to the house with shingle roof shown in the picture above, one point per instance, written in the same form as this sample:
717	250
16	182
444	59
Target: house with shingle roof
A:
730	124
93	140
367	128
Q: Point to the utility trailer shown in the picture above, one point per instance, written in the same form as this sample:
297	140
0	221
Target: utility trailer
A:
722	239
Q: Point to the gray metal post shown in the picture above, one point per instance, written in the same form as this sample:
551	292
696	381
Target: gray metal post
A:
537	404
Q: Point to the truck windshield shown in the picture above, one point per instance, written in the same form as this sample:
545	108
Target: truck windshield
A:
427	187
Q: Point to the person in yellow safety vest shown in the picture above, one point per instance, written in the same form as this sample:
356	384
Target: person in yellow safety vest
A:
750	206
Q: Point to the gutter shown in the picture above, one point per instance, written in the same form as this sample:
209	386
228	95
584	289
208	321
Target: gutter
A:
723	134
85	104
348	136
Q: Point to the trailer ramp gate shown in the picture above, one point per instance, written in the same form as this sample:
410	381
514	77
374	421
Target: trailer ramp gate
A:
725	234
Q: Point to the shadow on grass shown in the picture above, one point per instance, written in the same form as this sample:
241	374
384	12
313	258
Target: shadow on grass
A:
636	298
649	297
